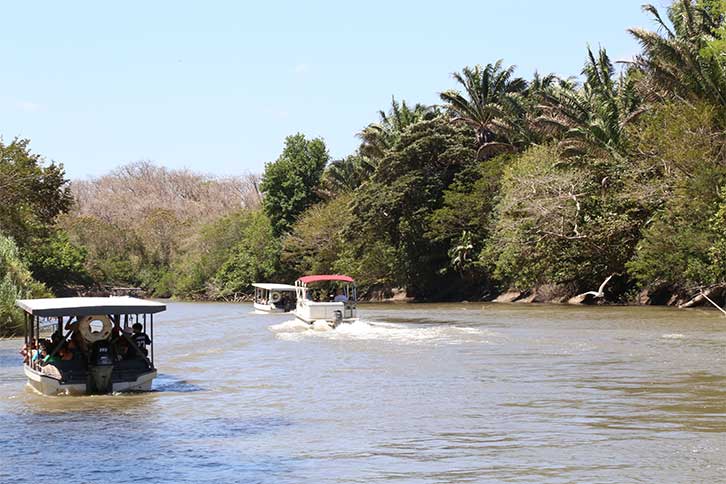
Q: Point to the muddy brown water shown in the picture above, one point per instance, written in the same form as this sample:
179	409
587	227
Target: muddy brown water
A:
454	393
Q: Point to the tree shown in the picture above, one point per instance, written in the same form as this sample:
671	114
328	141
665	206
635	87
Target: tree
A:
345	175
391	212
16	282
290	183
685	60
492	106
316	240
255	257
379	137
595	116
558	224
32	193
682	182
57	261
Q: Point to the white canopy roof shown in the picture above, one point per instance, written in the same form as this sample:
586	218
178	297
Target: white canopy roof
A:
274	287
87	306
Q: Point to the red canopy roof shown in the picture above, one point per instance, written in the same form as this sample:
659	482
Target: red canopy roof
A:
328	277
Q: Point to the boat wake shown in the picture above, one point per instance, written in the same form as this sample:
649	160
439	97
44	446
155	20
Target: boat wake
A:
372	330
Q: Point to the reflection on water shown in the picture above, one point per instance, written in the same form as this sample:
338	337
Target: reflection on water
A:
456	393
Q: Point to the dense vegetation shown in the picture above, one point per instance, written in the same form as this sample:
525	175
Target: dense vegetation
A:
547	186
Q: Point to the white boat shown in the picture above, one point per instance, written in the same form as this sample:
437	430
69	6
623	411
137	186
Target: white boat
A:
99	352
274	298
331	308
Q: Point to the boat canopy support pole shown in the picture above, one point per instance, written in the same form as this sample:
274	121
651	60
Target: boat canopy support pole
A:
28	336
152	342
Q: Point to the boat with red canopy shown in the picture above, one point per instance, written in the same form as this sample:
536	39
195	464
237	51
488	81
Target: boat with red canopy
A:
332	299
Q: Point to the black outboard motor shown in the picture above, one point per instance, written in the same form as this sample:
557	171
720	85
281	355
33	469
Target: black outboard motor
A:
100	368
338	318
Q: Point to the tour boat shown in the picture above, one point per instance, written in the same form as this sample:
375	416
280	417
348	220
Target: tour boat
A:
333	309
274	298
100	354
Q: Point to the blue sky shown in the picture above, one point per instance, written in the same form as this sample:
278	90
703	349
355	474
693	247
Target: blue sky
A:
216	86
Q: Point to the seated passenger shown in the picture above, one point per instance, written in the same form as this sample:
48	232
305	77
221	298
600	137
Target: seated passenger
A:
74	351
66	353
42	352
140	338
49	356
56	339
121	348
27	351
340	296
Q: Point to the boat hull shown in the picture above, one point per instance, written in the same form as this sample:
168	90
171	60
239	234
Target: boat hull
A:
51	385
268	308
331	322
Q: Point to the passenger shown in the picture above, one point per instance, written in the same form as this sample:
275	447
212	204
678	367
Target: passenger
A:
42	351
56	339
101	353
27	351
66	353
47	355
74	350
140	338
122	349
116	331
340	296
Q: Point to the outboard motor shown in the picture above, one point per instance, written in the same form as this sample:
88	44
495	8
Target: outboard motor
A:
338	318
100	368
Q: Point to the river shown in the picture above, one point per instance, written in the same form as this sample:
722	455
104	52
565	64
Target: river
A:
434	393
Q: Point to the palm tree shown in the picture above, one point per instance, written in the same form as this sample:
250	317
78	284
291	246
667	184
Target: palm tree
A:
676	59
492	105
345	175
378	137
593	116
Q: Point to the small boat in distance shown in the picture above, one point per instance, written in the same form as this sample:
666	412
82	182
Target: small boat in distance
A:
91	349
319	305
274	298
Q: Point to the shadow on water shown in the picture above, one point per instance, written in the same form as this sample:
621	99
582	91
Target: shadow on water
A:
172	384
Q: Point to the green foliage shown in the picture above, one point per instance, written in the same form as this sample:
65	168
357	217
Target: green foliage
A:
681	148
32	194
392	210
57	262
316	240
377	138
255	257
492	106
592	118
683	59
207	252
469	202
559	224
290	183
343	176
16	282
114	255
373	264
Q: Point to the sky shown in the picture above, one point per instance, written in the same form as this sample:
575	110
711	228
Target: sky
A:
216	86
